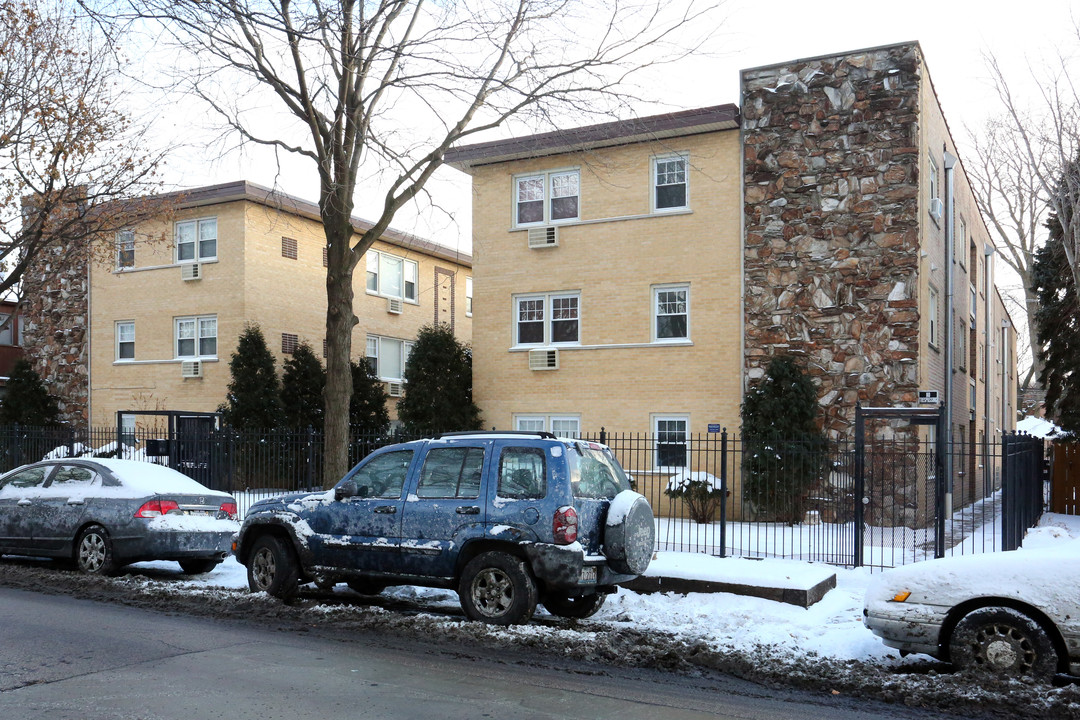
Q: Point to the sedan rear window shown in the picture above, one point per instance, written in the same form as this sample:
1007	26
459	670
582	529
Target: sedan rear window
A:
31	477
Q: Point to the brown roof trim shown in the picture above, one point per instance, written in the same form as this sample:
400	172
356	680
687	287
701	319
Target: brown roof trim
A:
620	132
251	192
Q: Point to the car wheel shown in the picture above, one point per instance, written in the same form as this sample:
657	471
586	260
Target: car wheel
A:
272	568
198	567
1002	641
94	552
574	606
497	588
629	533
366	587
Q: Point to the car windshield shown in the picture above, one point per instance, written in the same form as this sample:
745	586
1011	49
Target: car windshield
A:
594	471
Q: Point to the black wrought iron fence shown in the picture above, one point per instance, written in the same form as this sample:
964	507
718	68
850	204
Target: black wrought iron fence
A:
712	493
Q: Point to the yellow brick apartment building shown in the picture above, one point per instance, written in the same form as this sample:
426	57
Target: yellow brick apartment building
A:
638	275
166	311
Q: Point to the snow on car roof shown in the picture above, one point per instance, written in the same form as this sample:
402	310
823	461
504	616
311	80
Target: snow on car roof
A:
150	478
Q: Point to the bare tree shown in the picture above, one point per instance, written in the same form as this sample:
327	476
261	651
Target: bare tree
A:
1004	178
391	85
65	145
1045	134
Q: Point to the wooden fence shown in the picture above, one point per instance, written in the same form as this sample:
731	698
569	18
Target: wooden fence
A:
1065	486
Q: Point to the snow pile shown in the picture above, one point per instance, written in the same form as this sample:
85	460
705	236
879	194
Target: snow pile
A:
683	479
1038	427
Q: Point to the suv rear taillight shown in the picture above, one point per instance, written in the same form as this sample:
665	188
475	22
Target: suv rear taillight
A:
228	509
156	508
564	525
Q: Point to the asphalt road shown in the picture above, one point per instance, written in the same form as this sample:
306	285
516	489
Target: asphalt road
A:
63	657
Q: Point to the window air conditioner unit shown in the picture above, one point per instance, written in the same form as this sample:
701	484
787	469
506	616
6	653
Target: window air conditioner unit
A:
937	208
543	237
393	306
191	271
395	389
544	359
191	369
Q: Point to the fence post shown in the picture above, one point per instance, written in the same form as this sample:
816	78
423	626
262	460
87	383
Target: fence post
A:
942	474
18	446
860	484
603	435
723	493
309	465
1008	536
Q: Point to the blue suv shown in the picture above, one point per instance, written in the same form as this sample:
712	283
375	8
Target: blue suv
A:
509	520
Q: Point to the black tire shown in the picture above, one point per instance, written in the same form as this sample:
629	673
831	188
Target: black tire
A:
366	587
498	589
272	568
1002	641
198	566
578	607
629	542
94	552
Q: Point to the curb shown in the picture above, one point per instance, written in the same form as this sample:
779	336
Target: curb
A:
792	596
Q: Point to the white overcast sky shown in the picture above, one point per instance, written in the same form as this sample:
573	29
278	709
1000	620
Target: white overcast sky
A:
954	35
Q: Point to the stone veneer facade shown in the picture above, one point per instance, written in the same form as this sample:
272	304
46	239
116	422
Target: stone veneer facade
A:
55	313
831	243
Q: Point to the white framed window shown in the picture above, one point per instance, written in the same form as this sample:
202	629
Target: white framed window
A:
960	241
196	240
671	313
558	425
387	356
934	189
392	276
125	249
566	426
530	423
7	329
670	183
672	433
974	301
125	340
196	336
468	297
551	319
932	311
547	197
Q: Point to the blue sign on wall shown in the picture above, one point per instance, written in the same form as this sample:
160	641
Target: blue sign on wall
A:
714	427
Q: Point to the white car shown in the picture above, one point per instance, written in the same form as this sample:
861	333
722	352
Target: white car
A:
1012	613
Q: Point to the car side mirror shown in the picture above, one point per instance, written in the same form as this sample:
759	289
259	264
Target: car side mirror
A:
345	490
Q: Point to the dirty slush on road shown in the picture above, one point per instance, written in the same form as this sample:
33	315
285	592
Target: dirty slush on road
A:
926	685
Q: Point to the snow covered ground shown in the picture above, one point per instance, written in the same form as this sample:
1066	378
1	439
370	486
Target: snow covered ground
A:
830	629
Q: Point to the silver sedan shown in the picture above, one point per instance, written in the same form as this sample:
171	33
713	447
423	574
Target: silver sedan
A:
1008	613
103	514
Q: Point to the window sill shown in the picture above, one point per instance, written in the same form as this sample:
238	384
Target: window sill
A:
125	271
164	362
392	297
597	221
615	346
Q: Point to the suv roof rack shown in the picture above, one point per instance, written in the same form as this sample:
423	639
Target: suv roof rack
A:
527	433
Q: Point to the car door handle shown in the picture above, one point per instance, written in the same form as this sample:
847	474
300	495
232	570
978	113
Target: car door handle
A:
24	501
386	509
468	510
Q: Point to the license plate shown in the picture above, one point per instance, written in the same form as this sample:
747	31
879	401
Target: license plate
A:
588	574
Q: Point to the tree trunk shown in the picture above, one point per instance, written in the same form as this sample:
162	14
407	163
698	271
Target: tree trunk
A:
339	325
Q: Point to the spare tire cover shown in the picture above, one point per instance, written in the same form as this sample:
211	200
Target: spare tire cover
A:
629	533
